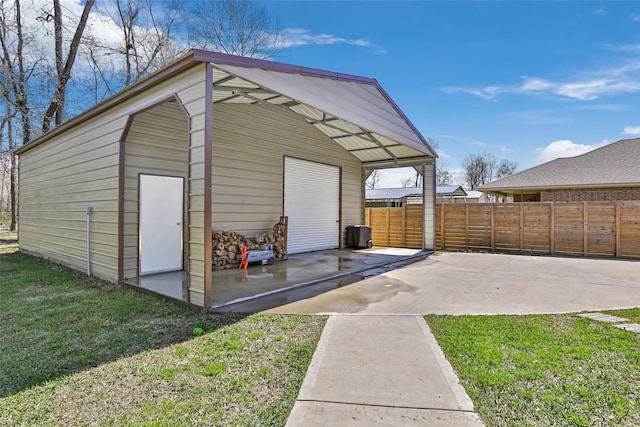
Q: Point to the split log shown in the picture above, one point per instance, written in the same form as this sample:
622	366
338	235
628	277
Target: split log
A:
227	245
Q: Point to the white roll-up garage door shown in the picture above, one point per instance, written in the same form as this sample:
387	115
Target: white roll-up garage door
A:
312	203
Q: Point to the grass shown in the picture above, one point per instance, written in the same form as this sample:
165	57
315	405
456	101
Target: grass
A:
8	239
80	351
545	370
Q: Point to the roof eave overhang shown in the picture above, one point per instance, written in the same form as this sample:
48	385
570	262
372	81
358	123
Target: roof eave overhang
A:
176	67
403	162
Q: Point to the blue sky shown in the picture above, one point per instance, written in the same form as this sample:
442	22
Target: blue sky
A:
525	81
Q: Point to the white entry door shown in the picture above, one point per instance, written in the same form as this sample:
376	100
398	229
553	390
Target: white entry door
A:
312	203
161	206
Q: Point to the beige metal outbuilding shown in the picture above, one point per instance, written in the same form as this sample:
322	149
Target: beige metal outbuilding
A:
212	133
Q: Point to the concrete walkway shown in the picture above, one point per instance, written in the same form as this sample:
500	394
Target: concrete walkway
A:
380	370
377	363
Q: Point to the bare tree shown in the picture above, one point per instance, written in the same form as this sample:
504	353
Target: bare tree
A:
478	169
63	67
443	175
374	179
13	79
237	27
23	80
505	168
415	180
148	39
147	42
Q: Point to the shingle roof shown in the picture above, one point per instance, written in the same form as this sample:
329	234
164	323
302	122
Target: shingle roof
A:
615	164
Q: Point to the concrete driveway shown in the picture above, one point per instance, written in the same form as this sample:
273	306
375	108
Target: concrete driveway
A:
473	283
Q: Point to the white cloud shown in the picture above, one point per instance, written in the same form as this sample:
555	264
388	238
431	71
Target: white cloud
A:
489	92
443	154
534	84
631	130
594	89
295	37
633	49
564	148
623	79
392	178
505	149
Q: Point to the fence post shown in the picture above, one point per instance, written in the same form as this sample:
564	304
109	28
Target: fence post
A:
585	227
521	226
388	227
404	224
442	227
552	229
618	231
466	226
493	226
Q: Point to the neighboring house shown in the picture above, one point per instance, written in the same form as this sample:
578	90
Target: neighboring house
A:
137	184
397	197
611	172
471	197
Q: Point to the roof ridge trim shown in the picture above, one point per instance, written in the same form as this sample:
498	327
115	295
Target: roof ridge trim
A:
241	61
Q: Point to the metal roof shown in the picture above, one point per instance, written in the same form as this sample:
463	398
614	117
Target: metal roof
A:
353	111
399	193
615	164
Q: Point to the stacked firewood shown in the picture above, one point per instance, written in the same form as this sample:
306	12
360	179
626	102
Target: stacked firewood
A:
227	245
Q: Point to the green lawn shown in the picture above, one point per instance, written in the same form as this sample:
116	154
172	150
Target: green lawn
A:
80	351
545	370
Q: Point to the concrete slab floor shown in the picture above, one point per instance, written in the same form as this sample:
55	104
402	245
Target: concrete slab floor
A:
260	287
474	283
301	275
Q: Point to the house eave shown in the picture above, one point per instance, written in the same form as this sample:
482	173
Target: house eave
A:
555	187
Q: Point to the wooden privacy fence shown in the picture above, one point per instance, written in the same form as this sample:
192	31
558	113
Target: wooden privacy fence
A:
396	227
565	228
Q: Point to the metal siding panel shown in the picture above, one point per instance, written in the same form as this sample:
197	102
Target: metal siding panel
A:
86	154
56	185
157	144
249	146
197	188
429	229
